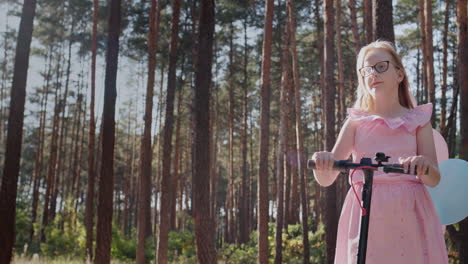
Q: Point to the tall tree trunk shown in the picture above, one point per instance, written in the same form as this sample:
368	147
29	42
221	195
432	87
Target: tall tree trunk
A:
39	159
177	159
382	20
293	169
79	192
462	9
89	211
214	175
59	107
244	201
204	231
51	169
230	234
146	153
63	123
319	100
339	51
341	181
430	57
127	180
368	20
157	147
422	21
443	99
262	183
354	26
253	220
166	186
106	186
15	133
282	135
75	147
331	218
287	170
299	138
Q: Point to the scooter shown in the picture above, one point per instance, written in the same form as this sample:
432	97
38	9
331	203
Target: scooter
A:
368	168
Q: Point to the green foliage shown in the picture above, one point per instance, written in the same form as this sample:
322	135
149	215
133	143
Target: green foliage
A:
22	225
181	243
123	248
292	247
65	237
239	254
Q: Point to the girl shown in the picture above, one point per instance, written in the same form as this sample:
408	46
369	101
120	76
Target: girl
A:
404	227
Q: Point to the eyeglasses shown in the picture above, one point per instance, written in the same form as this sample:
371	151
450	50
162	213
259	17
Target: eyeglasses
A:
379	67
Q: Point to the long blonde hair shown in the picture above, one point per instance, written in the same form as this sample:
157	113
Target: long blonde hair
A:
364	99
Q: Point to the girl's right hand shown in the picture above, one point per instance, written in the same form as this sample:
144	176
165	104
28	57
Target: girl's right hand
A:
323	160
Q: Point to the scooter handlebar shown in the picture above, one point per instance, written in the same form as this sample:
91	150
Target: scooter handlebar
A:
344	165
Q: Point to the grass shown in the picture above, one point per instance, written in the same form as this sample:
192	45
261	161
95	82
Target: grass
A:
63	260
59	260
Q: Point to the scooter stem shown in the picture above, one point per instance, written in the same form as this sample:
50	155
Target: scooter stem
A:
366	197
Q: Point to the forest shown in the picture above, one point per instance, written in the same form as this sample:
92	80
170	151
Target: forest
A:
155	131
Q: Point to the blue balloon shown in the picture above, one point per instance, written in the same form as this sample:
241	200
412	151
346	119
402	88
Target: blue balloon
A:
450	196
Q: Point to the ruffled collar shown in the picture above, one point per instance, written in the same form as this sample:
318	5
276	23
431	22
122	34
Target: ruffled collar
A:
411	120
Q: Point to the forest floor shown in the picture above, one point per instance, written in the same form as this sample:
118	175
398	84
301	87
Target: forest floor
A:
61	260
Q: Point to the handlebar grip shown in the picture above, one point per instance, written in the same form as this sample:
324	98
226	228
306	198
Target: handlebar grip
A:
344	165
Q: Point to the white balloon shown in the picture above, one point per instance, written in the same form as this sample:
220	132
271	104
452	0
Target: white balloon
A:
450	196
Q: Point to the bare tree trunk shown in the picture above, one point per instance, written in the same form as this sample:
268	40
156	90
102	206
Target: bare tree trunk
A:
282	140
213	158
287	174
443	100
331	218
368	20
15	133
253	202
341	181
430	57
339	51
79	192
299	138
462	9
264	137
89	213
146	153
204	235
293	169
106	182
177	161
64	123
230	234
39	159
157	147
76	139
244	202
382	20
422	21
354	26
166	186
127	181
51	169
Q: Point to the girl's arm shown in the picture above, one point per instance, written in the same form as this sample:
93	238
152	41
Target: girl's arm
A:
324	174
426	161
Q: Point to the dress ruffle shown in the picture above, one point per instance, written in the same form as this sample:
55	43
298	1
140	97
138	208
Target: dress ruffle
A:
411	120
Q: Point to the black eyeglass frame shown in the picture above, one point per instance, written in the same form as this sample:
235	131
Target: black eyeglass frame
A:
375	68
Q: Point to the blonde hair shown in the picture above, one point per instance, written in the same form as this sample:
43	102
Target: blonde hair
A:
364	99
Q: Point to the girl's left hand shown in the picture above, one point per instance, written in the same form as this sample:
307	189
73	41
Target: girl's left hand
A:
420	163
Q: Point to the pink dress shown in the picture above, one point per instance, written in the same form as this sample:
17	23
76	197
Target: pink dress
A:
404	227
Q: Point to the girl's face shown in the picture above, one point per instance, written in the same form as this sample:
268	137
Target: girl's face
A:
380	74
